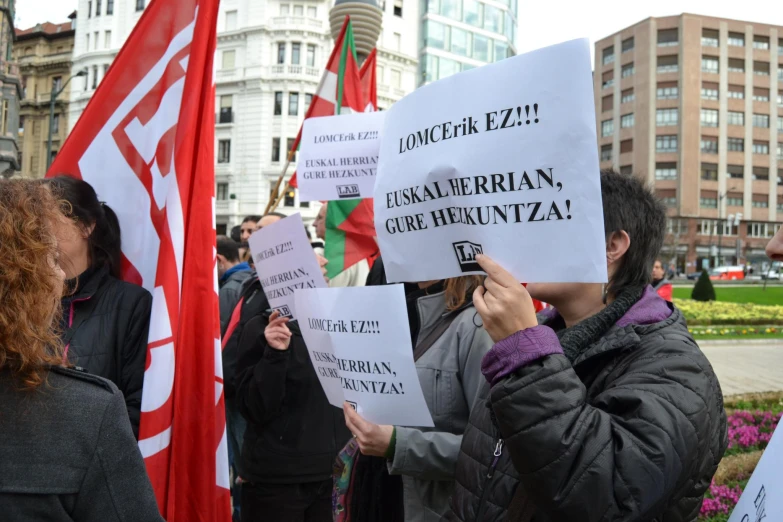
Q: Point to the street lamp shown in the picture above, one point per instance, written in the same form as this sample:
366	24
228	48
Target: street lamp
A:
55	94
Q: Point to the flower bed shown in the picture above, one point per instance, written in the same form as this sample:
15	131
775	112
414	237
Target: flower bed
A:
736	331
721	313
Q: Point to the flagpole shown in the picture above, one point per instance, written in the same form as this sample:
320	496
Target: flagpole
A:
272	204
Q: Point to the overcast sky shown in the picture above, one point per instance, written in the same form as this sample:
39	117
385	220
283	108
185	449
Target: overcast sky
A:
541	22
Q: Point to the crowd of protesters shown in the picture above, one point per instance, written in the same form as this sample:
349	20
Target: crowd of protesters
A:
602	407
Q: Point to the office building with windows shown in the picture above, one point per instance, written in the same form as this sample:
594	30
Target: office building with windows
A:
10	92
694	104
43	53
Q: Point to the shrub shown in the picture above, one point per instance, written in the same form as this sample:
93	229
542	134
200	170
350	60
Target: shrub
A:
722	313
703	290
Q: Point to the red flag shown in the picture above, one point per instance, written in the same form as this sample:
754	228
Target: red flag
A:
146	143
340	89
367	76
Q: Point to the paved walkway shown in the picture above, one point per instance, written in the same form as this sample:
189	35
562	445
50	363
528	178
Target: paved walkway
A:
747	367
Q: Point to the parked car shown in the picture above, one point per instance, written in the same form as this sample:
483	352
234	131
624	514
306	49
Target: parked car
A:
773	275
693	276
728	273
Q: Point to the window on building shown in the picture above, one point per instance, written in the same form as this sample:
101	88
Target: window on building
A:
607	102
709	144
293	103
627	96
737	92
709	117
312	11
278	103
226	109
737	39
310	55
628	70
780	46
480	48
761	42
87	38
229	60
460	42
502	51
760	203
607	128
709	91
107	40
736	65
296	50
231	20
396	78
473	13
284	9
89	9
308	101
708	202
94	77
780	150
398	8
734	200
761	121
709	64
709	172
664	171
224	151
289	145
780	123
735	144
668	38
709	37
626	146
21	125
666	143
626	170
289	199
608	55
221	194
760	174
736	118
626	121
139	5
435	35
676	226
760	94
109	7
105	69
397	41
780	97
668	200
98	7
760	147
607	79
299	10
606	152
735	171
668	64
664	117
493	19
281	53
761	68
668	91
57	83
95	41
764	230
275	150
56	124
627	45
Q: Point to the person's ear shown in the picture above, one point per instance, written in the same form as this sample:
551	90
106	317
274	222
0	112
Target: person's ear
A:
87	231
221	259
616	246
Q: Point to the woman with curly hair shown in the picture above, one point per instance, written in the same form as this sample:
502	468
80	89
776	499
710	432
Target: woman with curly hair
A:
105	321
67	452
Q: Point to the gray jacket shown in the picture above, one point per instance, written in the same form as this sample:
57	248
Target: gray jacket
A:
230	292
450	377
67	453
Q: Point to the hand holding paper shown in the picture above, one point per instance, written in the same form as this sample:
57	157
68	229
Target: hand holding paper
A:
277	334
373	439
503	304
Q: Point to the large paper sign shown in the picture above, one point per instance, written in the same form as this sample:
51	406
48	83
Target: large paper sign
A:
338	157
285	261
761	499
499	160
359	342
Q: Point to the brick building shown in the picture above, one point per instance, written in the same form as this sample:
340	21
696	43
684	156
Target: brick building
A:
694	104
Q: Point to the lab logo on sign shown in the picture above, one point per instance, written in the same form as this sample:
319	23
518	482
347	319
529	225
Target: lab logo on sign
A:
348	191
284	311
466	255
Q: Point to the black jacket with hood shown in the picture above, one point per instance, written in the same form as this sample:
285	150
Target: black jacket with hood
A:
106	324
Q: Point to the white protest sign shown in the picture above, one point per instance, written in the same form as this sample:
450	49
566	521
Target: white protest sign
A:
359	342
761	499
501	160
338	157
285	262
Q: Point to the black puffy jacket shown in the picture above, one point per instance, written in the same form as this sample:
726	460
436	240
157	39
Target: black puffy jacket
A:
293	434
107	326
631	429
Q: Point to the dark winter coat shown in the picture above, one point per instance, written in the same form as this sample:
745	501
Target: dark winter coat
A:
623	421
67	454
293	434
230	292
108	323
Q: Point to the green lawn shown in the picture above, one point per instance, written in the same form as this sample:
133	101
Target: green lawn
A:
751	294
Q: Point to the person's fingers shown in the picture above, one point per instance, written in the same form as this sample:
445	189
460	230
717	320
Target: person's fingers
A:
350	418
499	274
274	316
480	303
492	286
277	321
362	426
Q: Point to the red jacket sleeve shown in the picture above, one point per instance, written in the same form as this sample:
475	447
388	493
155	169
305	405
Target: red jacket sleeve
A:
666	292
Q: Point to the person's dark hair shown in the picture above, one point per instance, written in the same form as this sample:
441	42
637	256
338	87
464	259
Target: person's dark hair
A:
228	248
254	219
275	214
631	206
105	241
236	234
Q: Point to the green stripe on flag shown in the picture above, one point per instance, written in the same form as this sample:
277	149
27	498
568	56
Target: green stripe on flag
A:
336	213
348	43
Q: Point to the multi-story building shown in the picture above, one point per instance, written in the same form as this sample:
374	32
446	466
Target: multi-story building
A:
694	104
44	54
458	35
10	92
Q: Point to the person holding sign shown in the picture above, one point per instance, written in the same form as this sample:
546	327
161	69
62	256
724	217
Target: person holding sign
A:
449	344
602	409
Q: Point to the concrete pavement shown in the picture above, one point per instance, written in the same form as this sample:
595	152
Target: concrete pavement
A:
746	366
